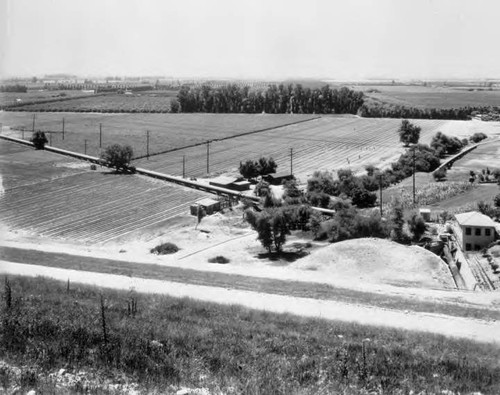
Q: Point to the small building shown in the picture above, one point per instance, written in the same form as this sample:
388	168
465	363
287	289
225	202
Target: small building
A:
425	213
475	230
210	206
230	183
278	178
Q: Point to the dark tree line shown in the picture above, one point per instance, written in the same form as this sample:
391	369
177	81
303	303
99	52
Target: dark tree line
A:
376	110
274	100
13	88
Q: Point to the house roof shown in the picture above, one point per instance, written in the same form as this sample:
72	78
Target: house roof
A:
207	202
474	218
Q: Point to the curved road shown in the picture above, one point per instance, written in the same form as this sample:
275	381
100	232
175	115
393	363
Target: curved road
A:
461	327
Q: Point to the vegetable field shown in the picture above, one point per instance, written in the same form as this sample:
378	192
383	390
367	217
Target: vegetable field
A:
93	207
328	143
34	95
166	131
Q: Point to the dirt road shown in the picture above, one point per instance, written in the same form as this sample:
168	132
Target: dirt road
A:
474	329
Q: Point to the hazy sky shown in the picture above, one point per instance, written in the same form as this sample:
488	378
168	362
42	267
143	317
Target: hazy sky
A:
352	39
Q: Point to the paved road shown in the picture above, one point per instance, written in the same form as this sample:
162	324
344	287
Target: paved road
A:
461	327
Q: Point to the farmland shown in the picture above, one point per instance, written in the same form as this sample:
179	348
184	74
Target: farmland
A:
83	205
430	96
34	95
328	143
112	102
167	131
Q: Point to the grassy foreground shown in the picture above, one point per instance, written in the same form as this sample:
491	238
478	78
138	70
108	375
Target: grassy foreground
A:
234	281
161	343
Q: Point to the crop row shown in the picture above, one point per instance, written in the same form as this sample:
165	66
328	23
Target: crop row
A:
322	144
93	207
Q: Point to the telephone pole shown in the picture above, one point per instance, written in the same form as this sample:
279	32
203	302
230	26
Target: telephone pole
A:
50	139
183	166
208	156
33	128
147	144
100	135
380	184
414	167
63	130
85	150
291	161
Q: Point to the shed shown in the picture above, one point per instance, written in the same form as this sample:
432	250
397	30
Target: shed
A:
230	183
425	213
278	178
209	205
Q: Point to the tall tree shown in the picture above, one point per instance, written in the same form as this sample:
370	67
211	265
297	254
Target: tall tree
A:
408	133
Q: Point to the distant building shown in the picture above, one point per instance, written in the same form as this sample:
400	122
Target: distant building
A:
475	230
278	178
425	213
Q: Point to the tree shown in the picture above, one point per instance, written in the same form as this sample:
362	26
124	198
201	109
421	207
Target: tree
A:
118	156
39	139
417	226
397	223
175	106
363	198
266	166
408	133
497	200
248	169
271	226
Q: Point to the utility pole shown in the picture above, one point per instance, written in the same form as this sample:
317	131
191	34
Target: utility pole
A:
147	144
291	161
1	127
183	166
414	167
85	147
50	139
208	156
380	184
33	128
100	135
63	130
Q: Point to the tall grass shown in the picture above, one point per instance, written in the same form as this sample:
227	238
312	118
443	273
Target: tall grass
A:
169	342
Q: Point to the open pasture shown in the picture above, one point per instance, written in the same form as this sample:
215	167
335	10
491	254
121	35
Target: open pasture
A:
328	143
112	102
430	96
167	131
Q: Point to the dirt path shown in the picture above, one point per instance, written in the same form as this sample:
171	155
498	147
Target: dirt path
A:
474	329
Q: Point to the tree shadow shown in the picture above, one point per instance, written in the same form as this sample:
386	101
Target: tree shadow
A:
284	257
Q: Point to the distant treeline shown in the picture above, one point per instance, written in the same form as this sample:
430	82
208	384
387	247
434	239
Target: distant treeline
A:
376	110
273	100
13	88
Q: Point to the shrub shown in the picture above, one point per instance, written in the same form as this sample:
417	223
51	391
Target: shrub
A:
165	248
408	133
39	139
477	137
439	175
497	200
219	259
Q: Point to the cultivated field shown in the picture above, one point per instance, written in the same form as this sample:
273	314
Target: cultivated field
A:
328	143
9	98
112	102
72	202
167	131
430	97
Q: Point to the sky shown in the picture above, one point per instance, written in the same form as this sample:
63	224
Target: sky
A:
253	39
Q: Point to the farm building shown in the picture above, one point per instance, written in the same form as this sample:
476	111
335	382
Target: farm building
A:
475	230
230	183
425	213
209	205
278	178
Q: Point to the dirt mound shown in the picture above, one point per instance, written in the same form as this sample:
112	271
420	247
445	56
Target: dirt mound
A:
379	261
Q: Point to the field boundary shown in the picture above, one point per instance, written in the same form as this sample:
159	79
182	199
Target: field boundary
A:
225	138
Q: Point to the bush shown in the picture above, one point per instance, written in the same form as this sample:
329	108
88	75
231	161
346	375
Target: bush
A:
477	137
39	139
165	248
219	259
439	175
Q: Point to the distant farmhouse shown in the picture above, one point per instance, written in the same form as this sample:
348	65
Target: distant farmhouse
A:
475	231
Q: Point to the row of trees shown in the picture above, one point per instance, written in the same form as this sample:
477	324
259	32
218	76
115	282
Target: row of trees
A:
384	110
14	88
279	99
263	166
